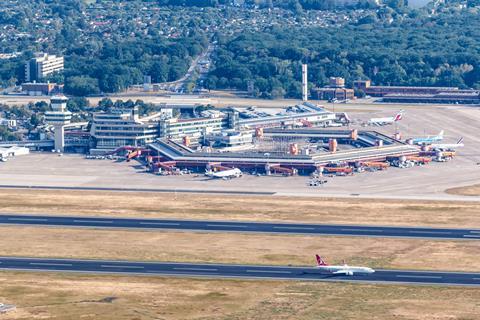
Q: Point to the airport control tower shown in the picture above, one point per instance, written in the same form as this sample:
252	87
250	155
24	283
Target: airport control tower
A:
58	118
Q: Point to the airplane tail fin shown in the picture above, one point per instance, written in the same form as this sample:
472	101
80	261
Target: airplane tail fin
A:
399	116
320	261
440	135
460	141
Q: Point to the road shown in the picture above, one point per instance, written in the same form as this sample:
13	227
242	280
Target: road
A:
234	271
238	226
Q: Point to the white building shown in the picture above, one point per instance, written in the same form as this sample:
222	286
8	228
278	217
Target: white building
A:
9	123
123	128
42	65
196	127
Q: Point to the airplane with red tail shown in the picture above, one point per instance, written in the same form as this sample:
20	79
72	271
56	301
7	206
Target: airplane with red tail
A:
343	269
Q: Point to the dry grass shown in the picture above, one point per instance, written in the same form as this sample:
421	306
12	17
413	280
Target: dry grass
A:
238	248
72	297
221	207
465	191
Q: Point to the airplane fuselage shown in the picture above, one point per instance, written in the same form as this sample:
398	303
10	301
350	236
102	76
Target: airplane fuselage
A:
226	174
346	270
381	121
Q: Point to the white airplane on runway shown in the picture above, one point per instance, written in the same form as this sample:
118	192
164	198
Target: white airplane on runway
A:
448	146
386	120
225	174
342	270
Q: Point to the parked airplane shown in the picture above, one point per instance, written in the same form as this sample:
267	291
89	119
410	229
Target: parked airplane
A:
342	270
428	139
447	146
386	120
225	174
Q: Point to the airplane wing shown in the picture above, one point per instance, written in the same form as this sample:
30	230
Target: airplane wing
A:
346	272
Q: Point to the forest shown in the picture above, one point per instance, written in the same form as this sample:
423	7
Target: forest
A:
421	51
118	65
95	62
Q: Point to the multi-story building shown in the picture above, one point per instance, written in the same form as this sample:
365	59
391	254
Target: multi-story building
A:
122	128
336	82
176	128
231	138
42	65
334	91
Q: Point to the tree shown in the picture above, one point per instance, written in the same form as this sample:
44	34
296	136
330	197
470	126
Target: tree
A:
77	104
82	86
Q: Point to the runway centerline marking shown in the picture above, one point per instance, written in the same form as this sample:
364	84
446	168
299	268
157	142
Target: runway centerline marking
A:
123	267
194	269
419	277
360	230
432	232
92	221
294	228
267	271
225	226
27	219
161	223
50	264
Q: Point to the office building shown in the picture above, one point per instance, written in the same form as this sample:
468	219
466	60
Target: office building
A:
340	94
120	128
42	65
176	128
336	82
334	91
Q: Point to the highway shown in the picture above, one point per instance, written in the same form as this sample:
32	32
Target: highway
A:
238	226
234	271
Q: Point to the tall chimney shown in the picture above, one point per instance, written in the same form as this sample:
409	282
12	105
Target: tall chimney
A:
304	83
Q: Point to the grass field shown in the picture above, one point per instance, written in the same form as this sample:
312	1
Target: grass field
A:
466	191
72	297
75	296
221	207
238	248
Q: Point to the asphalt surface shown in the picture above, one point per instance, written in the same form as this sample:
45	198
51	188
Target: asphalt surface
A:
234	271
243	227
171	190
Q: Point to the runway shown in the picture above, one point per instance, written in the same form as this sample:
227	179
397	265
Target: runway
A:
234	271
242	227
